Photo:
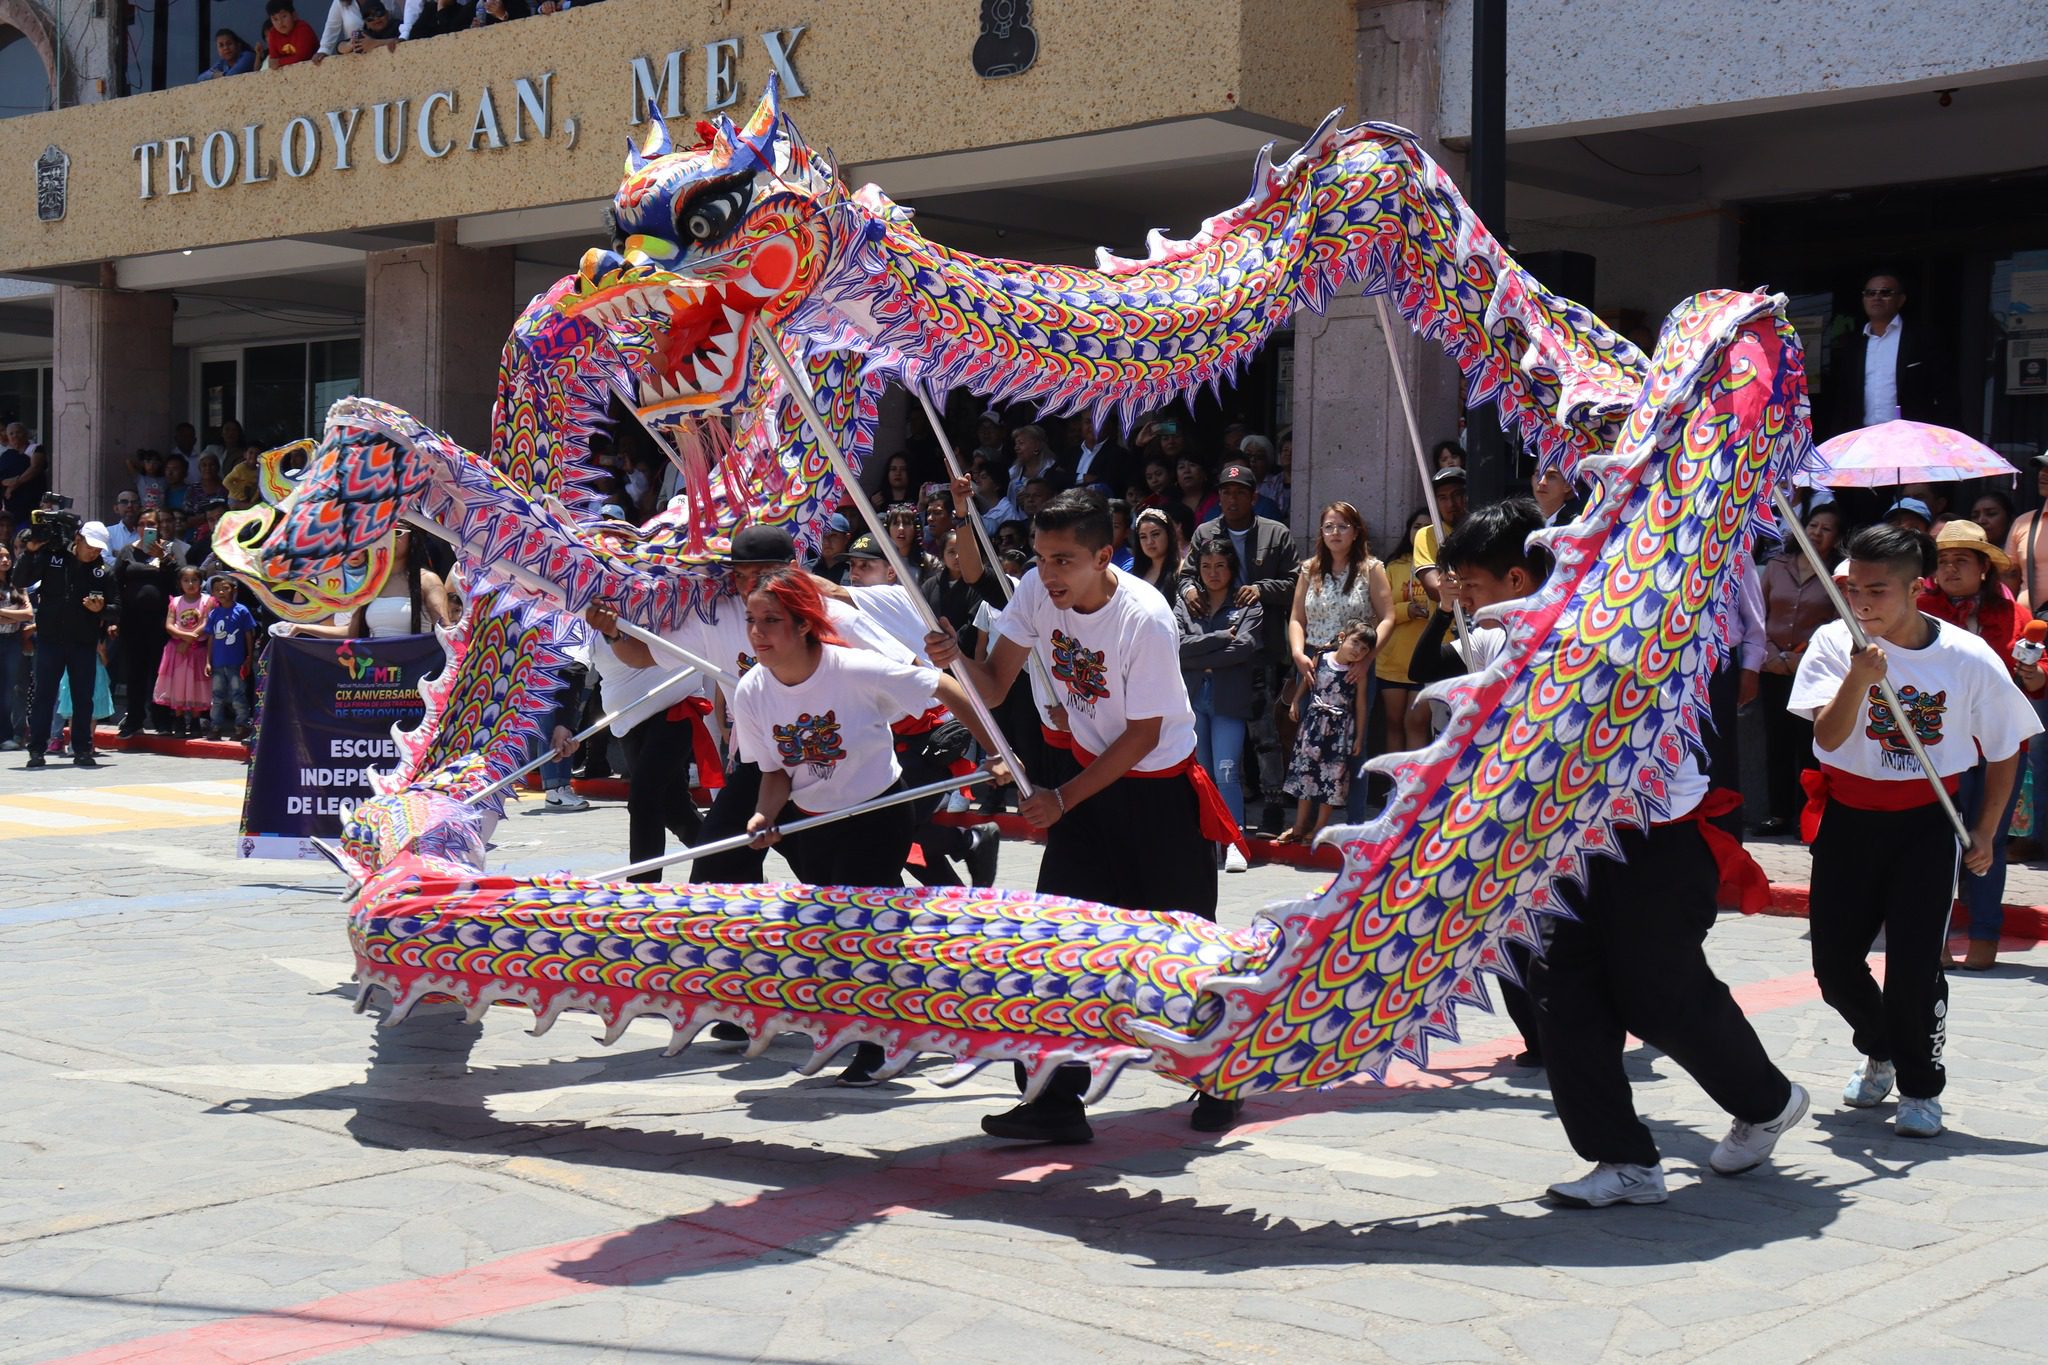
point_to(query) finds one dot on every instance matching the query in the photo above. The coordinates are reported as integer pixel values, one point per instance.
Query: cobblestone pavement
(207, 1156)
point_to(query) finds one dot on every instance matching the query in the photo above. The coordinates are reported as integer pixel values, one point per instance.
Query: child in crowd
(1331, 714)
(232, 631)
(148, 468)
(1885, 856)
(181, 686)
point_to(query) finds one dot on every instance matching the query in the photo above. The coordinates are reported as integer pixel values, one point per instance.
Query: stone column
(111, 391)
(435, 318)
(1350, 441)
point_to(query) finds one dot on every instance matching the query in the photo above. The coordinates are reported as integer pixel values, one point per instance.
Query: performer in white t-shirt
(1885, 855)
(929, 745)
(813, 716)
(721, 637)
(1113, 651)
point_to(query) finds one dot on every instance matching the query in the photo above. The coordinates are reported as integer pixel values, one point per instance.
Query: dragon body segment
(746, 237)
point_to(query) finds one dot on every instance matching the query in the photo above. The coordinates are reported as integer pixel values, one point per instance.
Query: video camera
(55, 521)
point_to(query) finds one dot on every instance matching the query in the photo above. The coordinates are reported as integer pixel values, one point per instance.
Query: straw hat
(1963, 534)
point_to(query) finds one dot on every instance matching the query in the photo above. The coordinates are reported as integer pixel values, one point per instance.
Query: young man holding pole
(1885, 855)
(1111, 647)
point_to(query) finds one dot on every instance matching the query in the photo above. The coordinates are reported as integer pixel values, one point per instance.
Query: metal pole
(1862, 642)
(548, 749)
(731, 842)
(800, 393)
(1436, 516)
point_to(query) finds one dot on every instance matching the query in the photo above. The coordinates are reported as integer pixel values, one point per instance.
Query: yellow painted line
(114, 810)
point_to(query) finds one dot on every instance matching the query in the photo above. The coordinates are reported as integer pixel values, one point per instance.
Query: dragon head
(709, 239)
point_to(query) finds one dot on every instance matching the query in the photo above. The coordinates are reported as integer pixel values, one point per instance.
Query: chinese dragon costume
(746, 238)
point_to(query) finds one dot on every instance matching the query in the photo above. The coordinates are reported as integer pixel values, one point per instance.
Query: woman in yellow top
(1411, 614)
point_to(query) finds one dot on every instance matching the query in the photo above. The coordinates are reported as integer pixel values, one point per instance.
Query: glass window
(336, 370)
(274, 401)
(24, 398)
(24, 85)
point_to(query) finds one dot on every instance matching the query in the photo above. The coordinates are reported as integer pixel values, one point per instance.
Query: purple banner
(326, 710)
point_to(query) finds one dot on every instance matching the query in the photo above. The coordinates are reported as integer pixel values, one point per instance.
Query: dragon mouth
(683, 334)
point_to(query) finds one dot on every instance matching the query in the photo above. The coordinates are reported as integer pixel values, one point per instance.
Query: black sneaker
(984, 843)
(1530, 1060)
(860, 1072)
(722, 1032)
(85, 761)
(1215, 1116)
(1042, 1120)
(36, 760)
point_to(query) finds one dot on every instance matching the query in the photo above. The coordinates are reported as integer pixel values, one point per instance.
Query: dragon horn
(653, 144)
(767, 114)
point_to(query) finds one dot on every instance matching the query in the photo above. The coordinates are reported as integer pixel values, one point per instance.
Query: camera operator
(75, 602)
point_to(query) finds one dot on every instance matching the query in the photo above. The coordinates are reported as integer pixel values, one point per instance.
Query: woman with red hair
(814, 713)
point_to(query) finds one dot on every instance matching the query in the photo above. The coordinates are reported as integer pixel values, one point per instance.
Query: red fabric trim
(1217, 825)
(1058, 739)
(920, 725)
(710, 768)
(1825, 784)
(1743, 883)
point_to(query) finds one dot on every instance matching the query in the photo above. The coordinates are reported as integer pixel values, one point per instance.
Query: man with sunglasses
(1887, 369)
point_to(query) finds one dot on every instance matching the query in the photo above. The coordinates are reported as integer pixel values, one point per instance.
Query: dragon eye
(711, 214)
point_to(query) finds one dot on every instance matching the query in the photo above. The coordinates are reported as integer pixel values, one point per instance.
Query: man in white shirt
(344, 22)
(1113, 651)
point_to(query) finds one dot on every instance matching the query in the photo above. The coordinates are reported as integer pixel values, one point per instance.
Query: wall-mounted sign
(1008, 45)
(440, 122)
(53, 183)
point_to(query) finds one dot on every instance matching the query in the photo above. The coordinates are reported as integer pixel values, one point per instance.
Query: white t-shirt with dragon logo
(830, 732)
(1110, 666)
(1958, 693)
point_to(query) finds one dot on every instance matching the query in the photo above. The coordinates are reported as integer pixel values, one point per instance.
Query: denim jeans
(230, 692)
(1219, 748)
(13, 715)
(557, 772)
(56, 662)
(2037, 760)
(1985, 896)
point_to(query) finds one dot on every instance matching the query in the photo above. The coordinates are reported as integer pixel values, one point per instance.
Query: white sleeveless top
(1327, 608)
(386, 616)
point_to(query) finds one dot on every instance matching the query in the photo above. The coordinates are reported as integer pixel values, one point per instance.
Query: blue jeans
(1219, 748)
(2037, 760)
(13, 717)
(1985, 895)
(230, 693)
(56, 663)
(557, 772)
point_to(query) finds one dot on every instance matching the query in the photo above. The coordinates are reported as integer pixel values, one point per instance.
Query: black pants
(1724, 746)
(1788, 747)
(1634, 962)
(729, 813)
(1136, 844)
(925, 758)
(658, 800)
(54, 661)
(140, 656)
(1516, 1000)
(1895, 871)
(861, 850)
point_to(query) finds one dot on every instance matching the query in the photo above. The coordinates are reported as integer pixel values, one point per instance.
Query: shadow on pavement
(812, 1200)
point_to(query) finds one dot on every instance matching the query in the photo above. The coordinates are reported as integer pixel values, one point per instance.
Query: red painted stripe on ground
(743, 1229)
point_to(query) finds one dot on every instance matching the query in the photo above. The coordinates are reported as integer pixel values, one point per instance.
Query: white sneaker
(1748, 1145)
(1918, 1118)
(566, 798)
(1612, 1182)
(1870, 1084)
(1233, 861)
(8, 746)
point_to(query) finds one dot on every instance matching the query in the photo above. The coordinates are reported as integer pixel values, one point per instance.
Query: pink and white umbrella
(1903, 452)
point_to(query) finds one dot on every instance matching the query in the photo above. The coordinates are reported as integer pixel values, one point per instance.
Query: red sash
(930, 720)
(1743, 883)
(1058, 739)
(710, 770)
(1217, 825)
(1825, 784)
